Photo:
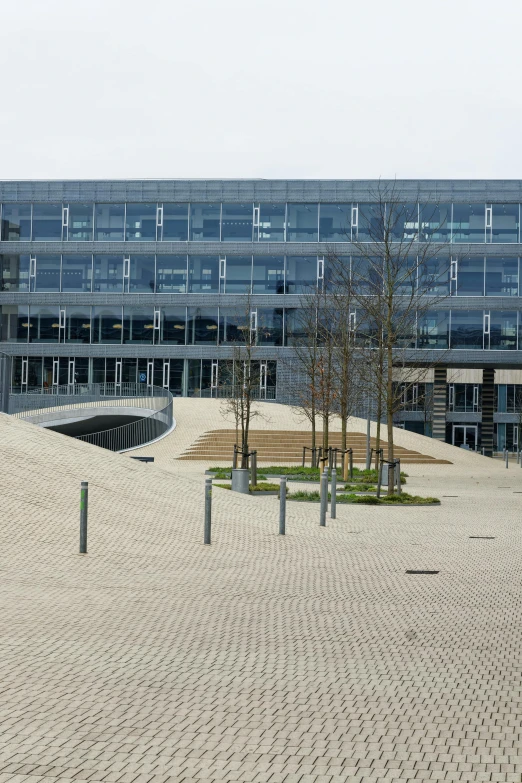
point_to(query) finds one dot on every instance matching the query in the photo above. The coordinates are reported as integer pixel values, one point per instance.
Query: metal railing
(156, 403)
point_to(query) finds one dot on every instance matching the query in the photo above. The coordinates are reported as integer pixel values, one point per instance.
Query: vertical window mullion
(285, 233)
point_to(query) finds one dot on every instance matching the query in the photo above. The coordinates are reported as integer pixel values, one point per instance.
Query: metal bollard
(208, 512)
(398, 476)
(234, 459)
(333, 502)
(507, 458)
(351, 463)
(253, 469)
(324, 498)
(84, 511)
(282, 507)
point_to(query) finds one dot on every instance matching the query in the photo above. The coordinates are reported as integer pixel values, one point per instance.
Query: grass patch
(263, 487)
(369, 500)
(298, 473)
(226, 473)
(360, 487)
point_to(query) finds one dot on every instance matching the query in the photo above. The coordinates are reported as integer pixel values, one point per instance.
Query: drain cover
(413, 571)
(482, 537)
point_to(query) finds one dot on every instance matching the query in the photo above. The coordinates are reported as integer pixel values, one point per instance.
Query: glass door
(465, 435)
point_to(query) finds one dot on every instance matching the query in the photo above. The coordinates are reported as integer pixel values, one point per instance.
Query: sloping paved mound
(155, 659)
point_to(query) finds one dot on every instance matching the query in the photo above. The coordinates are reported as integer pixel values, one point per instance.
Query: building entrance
(465, 434)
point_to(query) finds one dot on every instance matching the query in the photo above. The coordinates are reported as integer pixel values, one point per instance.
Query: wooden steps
(280, 446)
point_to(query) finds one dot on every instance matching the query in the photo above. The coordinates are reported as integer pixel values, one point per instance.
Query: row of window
(183, 377)
(86, 273)
(461, 397)
(259, 222)
(457, 329)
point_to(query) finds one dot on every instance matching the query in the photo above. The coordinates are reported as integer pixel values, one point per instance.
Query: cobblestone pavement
(310, 657)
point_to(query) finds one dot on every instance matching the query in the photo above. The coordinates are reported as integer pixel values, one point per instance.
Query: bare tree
(395, 280)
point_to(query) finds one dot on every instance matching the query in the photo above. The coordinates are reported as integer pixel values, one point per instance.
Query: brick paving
(312, 657)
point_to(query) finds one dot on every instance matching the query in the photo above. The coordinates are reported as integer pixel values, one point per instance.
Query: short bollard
(324, 498)
(507, 458)
(333, 502)
(282, 507)
(84, 510)
(208, 512)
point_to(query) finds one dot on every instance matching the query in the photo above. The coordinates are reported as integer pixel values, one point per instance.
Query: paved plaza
(313, 657)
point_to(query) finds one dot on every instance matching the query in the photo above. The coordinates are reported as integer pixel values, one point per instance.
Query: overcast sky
(261, 88)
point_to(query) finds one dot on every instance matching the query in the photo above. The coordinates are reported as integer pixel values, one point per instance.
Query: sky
(331, 89)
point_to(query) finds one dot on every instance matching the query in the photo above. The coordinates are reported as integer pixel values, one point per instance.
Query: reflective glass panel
(269, 326)
(271, 223)
(16, 222)
(204, 221)
(15, 323)
(503, 331)
(501, 276)
(335, 222)
(301, 274)
(107, 324)
(109, 222)
(204, 274)
(403, 222)
(467, 328)
(269, 275)
(15, 273)
(505, 223)
(435, 222)
(142, 272)
(175, 222)
(470, 276)
(371, 222)
(140, 222)
(194, 377)
(236, 222)
(81, 221)
(176, 374)
(469, 223)
(108, 273)
(173, 325)
(128, 370)
(202, 326)
(44, 324)
(434, 276)
(295, 325)
(47, 222)
(302, 223)
(171, 274)
(138, 324)
(433, 329)
(76, 273)
(78, 324)
(234, 323)
(238, 275)
(367, 275)
(47, 273)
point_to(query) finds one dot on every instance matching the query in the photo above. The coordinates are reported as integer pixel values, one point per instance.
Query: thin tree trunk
(389, 414)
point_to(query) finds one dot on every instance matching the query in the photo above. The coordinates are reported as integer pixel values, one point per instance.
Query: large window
(15, 273)
(238, 274)
(171, 274)
(138, 324)
(236, 222)
(48, 273)
(501, 276)
(204, 221)
(80, 222)
(78, 324)
(269, 326)
(370, 222)
(433, 330)
(467, 329)
(505, 223)
(108, 274)
(269, 275)
(470, 279)
(271, 223)
(403, 222)
(502, 331)
(16, 222)
(301, 274)
(335, 222)
(202, 325)
(173, 325)
(109, 222)
(175, 223)
(15, 323)
(233, 325)
(140, 222)
(77, 273)
(435, 223)
(434, 276)
(296, 326)
(469, 222)
(44, 324)
(107, 324)
(47, 222)
(302, 223)
(141, 277)
(204, 274)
